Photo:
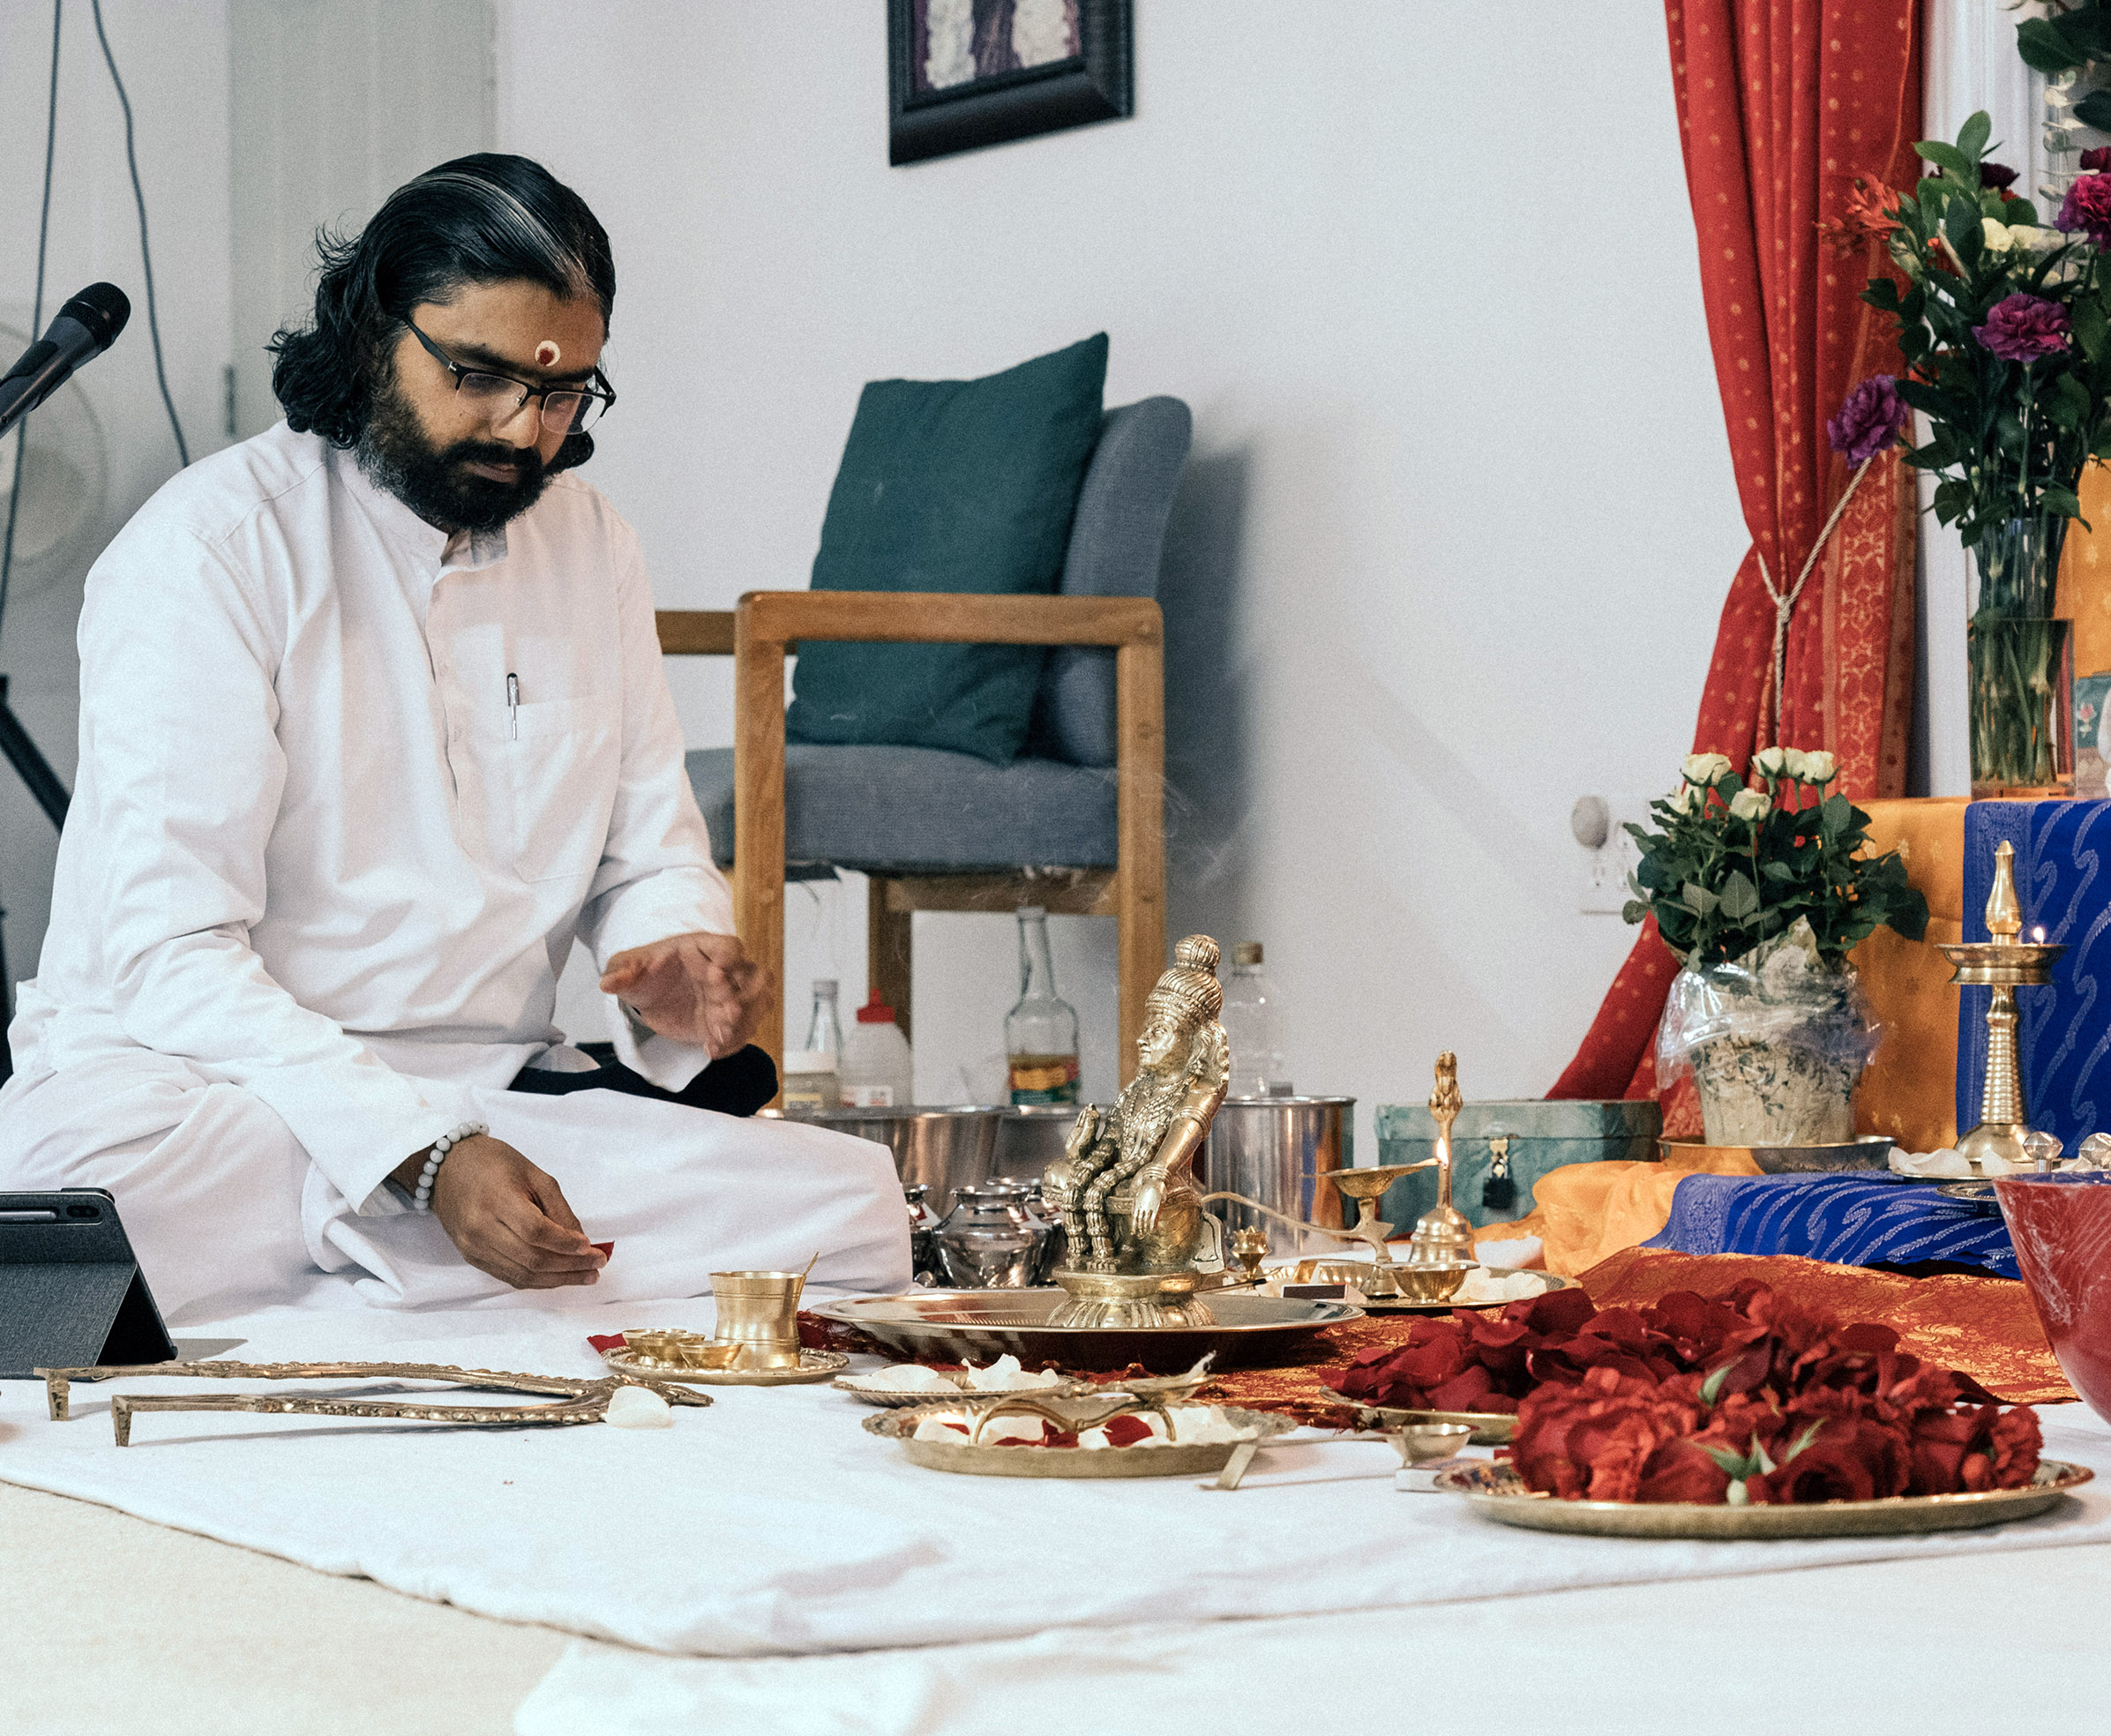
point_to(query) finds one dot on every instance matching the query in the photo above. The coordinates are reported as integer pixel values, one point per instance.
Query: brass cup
(758, 1312)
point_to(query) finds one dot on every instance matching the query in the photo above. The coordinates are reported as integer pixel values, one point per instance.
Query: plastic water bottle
(877, 1070)
(1253, 1021)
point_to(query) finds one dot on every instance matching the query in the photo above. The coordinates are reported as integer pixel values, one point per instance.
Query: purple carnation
(2022, 328)
(1870, 421)
(2086, 209)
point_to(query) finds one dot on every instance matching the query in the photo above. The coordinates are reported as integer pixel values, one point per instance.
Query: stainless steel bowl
(947, 1148)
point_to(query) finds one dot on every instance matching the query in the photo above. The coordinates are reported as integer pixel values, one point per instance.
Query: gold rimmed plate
(1491, 1428)
(814, 1366)
(1174, 1458)
(1496, 1492)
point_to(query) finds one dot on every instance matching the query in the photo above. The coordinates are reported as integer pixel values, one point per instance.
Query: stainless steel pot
(945, 1148)
(1278, 1150)
(989, 1242)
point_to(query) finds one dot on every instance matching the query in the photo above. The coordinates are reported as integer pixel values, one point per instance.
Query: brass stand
(1131, 1299)
(1443, 1236)
(2004, 964)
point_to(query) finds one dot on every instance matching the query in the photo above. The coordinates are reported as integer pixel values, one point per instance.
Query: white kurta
(348, 790)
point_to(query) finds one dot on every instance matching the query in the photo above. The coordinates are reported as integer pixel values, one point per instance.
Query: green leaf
(2062, 502)
(2044, 49)
(1803, 1439)
(1740, 897)
(1948, 157)
(2091, 327)
(1711, 1387)
(1834, 815)
(1634, 911)
(1973, 136)
(1698, 899)
(2094, 110)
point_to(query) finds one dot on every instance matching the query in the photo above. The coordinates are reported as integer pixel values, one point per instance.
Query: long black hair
(485, 219)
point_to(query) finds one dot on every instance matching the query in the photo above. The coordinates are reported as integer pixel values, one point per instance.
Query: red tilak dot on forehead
(548, 355)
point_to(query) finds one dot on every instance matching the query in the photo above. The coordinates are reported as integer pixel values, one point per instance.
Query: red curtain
(1783, 106)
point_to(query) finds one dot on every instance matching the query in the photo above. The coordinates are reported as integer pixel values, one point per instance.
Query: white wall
(173, 57)
(1460, 517)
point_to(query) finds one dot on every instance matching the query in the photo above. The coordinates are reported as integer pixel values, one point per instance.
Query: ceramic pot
(2061, 1228)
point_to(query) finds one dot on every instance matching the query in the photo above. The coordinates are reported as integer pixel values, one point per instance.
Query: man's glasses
(564, 409)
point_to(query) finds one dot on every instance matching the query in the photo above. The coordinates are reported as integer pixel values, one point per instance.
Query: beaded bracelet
(422, 1201)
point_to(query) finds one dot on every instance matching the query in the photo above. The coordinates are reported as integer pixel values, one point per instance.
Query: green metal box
(1537, 1134)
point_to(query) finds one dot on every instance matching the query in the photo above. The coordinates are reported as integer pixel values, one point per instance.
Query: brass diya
(2004, 965)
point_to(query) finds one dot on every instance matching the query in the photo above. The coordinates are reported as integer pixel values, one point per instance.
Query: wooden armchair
(769, 624)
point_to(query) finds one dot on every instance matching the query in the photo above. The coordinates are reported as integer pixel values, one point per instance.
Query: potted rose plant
(1762, 892)
(2005, 327)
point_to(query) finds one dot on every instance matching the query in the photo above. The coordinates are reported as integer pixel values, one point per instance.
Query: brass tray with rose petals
(982, 1325)
(1496, 1492)
(972, 1457)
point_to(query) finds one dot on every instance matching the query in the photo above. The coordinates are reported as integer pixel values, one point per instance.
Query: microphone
(85, 327)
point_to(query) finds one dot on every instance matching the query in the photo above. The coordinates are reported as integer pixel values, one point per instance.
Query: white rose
(1820, 768)
(1998, 236)
(1748, 804)
(1771, 761)
(1680, 801)
(1798, 764)
(1704, 768)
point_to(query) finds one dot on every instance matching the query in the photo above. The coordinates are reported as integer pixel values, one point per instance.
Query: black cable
(14, 497)
(153, 327)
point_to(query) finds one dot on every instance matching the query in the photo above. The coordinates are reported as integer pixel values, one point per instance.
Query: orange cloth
(1986, 1326)
(2084, 595)
(1910, 1090)
(1582, 1212)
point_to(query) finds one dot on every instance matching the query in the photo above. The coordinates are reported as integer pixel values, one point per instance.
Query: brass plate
(1387, 1304)
(1491, 1428)
(1496, 1492)
(1857, 1156)
(1174, 1460)
(982, 1325)
(814, 1367)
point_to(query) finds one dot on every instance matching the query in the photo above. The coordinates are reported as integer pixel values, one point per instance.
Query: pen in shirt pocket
(512, 704)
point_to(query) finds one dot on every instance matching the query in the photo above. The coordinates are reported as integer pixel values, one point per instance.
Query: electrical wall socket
(1603, 888)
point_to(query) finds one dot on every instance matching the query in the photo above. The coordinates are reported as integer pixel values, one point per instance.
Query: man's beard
(436, 483)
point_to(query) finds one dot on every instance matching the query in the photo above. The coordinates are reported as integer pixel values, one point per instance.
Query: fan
(64, 477)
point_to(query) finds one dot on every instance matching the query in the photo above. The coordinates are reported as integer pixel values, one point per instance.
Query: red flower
(1598, 1440)
(2097, 160)
(2087, 208)
(1850, 1458)
(1979, 1448)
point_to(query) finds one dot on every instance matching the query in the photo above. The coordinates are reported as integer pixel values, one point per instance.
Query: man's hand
(506, 1217)
(699, 988)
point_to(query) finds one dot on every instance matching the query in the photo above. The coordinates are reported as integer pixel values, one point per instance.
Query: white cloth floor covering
(770, 1522)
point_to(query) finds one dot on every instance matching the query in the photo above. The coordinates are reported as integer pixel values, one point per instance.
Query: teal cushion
(949, 485)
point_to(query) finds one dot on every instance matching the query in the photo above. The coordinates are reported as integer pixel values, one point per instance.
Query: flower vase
(2022, 664)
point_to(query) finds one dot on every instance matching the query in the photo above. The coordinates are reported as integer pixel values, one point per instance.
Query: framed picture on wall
(965, 73)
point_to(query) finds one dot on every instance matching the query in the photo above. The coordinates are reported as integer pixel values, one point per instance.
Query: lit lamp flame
(2037, 935)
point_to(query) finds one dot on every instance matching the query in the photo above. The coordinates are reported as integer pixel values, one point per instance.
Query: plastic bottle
(812, 1081)
(1253, 1021)
(1040, 1033)
(877, 1070)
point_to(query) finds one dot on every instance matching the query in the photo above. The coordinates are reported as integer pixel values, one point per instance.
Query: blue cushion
(923, 810)
(1116, 540)
(949, 485)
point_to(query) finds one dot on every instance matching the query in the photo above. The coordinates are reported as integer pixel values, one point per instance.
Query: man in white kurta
(351, 784)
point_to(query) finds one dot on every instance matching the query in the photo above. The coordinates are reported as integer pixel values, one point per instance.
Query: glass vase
(2022, 664)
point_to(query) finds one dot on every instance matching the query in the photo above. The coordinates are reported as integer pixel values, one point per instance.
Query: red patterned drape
(1782, 103)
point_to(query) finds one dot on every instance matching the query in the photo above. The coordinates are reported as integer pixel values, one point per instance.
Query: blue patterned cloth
(1845, 1219)
(2063, 1030)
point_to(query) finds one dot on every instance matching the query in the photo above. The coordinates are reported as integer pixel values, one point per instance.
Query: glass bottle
(1040, 1033)
(810, 1076)
(1253, 1022)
